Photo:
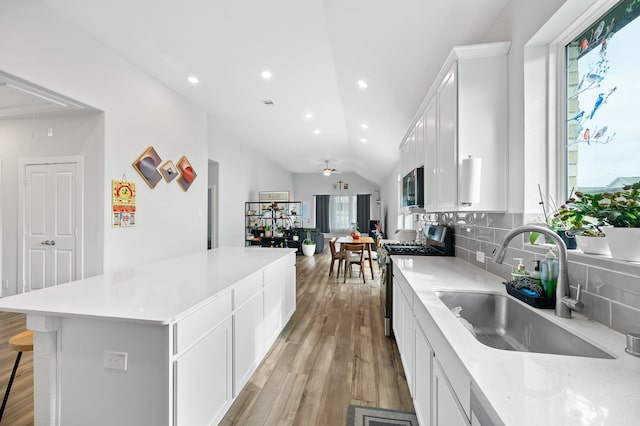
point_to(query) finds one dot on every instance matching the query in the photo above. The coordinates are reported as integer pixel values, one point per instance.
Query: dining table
(367, 241)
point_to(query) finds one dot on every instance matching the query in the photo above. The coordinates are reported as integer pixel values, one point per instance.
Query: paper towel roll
(470, 179)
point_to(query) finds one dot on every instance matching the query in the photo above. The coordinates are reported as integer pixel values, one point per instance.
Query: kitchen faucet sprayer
(564, 302)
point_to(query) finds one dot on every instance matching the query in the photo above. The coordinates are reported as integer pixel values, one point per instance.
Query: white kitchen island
(168, 343)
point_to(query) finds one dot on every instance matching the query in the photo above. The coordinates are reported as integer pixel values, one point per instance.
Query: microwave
(413, 188)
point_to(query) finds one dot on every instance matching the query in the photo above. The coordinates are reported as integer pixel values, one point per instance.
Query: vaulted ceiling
(316, 51)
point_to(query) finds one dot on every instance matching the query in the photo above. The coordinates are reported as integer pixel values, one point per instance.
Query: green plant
(308, 241)
(621, 209)
(267, 227)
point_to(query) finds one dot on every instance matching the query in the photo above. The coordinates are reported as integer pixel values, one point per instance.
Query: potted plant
(355, 234)
(621, 210)
(267, 230)
(308, 245)
(584, 211)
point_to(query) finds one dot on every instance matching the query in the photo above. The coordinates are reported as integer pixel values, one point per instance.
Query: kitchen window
(602, 89)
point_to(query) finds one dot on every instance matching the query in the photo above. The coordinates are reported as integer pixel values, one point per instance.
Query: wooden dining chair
(354, 253)
(336, 254)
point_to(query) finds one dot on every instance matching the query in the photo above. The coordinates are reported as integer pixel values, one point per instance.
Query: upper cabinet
(465, 115)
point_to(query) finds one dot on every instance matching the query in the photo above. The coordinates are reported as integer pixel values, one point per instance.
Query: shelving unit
(275, 220)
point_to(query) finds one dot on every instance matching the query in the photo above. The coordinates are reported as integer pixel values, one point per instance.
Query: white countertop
(532, 388)
(159, 292)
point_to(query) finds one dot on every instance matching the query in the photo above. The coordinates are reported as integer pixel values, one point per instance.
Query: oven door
(386, 295)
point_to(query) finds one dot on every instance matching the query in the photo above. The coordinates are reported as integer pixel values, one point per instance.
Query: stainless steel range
(439, 242)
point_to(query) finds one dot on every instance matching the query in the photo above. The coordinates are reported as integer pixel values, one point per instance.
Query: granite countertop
(159, 292)
(531, 388)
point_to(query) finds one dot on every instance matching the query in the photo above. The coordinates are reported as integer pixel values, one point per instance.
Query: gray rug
(359, 415)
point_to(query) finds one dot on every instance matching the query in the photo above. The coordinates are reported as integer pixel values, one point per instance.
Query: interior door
(49, 225)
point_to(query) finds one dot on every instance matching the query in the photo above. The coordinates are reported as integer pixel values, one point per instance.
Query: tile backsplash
(611, 288)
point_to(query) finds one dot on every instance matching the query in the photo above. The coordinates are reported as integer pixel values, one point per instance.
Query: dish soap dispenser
(520, 270)
(549, 273)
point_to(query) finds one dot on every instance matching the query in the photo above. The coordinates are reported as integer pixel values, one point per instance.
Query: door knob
(48, 243)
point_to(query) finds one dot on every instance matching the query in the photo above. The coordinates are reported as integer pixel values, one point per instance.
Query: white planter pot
(308, 249)
(593, 245)
(624, 243)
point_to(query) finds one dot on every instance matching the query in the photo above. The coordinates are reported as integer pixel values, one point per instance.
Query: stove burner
(412, 250)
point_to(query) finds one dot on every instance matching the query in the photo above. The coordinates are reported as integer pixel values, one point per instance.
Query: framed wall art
(187, 174)
(169, 171)
(147, 166)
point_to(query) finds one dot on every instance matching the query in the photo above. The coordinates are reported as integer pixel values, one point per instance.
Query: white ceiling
(317, 50)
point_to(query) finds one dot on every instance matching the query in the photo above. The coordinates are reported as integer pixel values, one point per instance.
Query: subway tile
(484, 234)
(472, 245)
(621, 288)
(464, 230)
(625, 319)
(518, 219)
(503, 271)
(463, 254)
(501, 220)
(595, 307)
(488, 249)
(577, 274)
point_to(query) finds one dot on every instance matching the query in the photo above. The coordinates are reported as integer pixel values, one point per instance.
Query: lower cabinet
(423, 361)
(248, 341)
(203, 379)
(446, 408)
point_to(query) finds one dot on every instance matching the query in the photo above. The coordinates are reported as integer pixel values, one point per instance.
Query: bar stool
(20, 342)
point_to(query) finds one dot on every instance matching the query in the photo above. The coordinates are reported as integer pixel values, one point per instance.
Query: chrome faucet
(564, 303)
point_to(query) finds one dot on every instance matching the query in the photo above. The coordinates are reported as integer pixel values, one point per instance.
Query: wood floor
(19, 410)
(332, 353)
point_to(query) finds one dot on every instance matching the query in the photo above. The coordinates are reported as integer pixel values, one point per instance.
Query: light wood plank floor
(19, 410)
(332, 353)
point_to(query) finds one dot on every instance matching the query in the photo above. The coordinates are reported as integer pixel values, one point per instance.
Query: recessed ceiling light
(266, 74)
(308, 115)
(193, 79)
(362, 84)
(364, 126)
(363, 140)
(316, 131)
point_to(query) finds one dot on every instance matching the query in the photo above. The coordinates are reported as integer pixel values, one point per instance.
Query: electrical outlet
(115, 360)
(480, 256)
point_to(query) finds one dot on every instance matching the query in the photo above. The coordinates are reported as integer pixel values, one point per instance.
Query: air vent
(268, 102)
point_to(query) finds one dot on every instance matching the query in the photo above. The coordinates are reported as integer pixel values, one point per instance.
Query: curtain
(363, 212)
(322, 213)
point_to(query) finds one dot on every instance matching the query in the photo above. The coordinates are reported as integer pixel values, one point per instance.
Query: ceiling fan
(328, 171)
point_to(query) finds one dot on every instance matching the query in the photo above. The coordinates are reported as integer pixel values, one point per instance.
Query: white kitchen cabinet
(423, 369)
(248, 340)
(403, 325)
(465, 114)
(430, 155)
(446, 408)
(419, 141)
(289, 288)
(203, 390)
(446, 153)
(272, 310)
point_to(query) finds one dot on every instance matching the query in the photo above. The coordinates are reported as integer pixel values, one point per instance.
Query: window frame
(557, 86)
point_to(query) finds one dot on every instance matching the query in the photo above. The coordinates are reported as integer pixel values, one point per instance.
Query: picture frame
(187, 173)
(169, 171)
(147, 166)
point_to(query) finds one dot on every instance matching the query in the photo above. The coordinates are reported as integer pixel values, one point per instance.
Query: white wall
(73, 134)
(390, 196)
(243, 173)
(38, 46)
(309, 184)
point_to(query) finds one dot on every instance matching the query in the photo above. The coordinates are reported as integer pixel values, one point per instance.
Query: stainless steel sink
(502, 322)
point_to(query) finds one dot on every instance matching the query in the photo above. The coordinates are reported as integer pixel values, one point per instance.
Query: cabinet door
(203, 379)
(406, 350)
(272, 310)
(396, 313)
(447, 184)
(423, 360)
(248, 341)
(289, 290)
(447, 410)
(430, 156)
(419, 151)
